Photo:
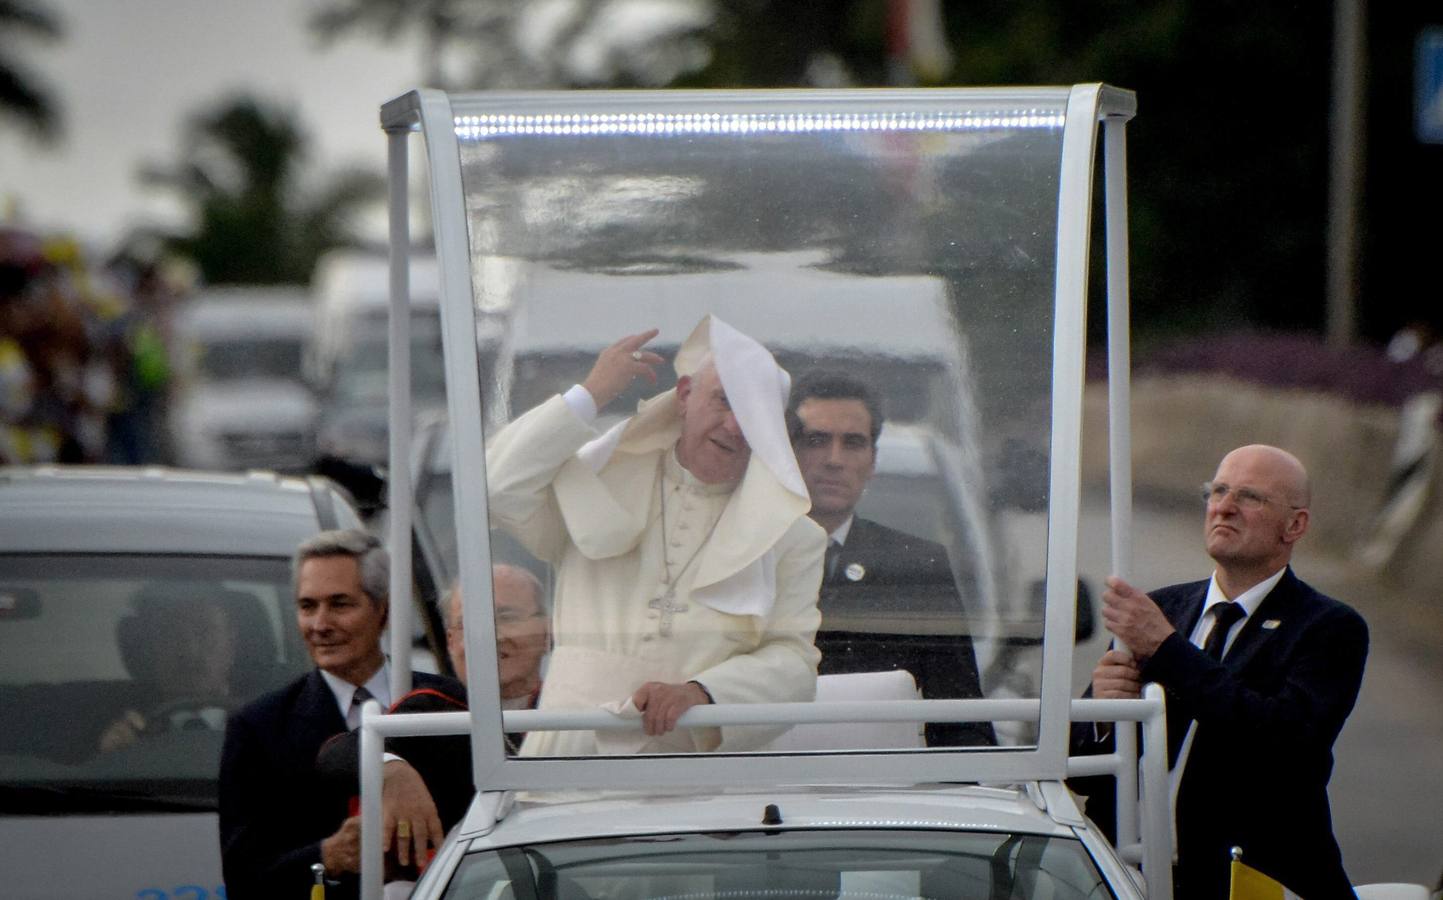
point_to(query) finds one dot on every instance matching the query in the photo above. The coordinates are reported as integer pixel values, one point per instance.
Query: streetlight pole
(1348, 146)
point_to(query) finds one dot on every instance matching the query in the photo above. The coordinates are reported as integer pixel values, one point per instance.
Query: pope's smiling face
(712, 446)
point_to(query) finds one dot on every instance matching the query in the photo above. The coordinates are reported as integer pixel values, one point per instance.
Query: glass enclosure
(908, 259)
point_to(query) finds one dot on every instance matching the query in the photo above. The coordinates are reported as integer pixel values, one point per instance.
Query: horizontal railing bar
(711, 715)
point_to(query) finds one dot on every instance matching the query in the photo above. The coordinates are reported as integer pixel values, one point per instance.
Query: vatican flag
(1248, 883)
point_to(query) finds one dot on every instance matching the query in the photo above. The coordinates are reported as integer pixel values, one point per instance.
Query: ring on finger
(403, 829)
(636, 355)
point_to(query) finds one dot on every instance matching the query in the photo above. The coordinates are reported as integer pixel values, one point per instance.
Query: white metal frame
(1151, 818)
(437, 116)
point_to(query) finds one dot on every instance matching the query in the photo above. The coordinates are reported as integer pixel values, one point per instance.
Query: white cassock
(744, 563)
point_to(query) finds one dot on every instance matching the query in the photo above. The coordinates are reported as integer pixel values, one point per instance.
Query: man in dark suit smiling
(1260, 672)
(888, 599)
(277, 817)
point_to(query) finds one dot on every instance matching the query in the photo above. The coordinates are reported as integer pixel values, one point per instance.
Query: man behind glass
(872, 572)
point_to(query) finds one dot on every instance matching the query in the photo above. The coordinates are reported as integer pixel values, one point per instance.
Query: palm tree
(22, 96)
(469, 44)
(253, 222)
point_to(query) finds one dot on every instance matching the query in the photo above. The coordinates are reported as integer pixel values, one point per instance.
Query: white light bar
(483, 127)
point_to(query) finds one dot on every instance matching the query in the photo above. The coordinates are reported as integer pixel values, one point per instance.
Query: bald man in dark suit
(1260, 671)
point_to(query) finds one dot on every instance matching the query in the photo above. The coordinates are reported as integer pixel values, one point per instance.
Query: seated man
(179, 646)
(872, 571)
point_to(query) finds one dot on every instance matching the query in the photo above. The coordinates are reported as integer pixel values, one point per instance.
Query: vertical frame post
(372, 861)
(1157, 807)
(1119, 417)
(399, 500)
(1069, 371)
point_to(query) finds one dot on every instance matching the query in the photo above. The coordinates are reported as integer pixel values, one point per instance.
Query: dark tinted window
(117, 672)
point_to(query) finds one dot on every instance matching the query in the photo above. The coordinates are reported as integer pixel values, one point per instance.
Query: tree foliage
(1228, 155)
(24, 97)
(253, 220)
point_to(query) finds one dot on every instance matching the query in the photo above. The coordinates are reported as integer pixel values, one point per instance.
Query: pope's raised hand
(618, 365)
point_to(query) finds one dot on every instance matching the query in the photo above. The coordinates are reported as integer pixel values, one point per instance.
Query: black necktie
(1224, 615)
(353, 718)
(829, 562)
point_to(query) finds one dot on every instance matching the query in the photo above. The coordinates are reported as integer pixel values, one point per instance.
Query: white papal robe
(602, 531)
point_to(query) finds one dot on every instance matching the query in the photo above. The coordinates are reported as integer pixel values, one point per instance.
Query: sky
(128, 72)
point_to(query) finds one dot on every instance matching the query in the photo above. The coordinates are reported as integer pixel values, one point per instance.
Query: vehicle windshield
(237, 359)
(903, 263)
(839, 864)
(117, 673)
(361, 374)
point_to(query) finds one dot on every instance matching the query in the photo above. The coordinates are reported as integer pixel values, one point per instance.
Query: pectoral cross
(667, 605)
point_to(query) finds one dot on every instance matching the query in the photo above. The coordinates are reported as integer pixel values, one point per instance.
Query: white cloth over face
(745, 608)
(770, 496)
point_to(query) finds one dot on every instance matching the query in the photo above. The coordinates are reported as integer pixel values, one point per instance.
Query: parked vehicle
(137, 608)
(348, 362)
(927, 841)
(244, 402)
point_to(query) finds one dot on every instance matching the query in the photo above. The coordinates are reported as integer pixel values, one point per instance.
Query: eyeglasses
(1247, 498)
(512, 617)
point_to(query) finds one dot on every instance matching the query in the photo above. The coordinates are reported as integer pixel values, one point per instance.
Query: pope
(687, 570)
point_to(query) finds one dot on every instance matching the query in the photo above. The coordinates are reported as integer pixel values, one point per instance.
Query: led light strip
(477, 128)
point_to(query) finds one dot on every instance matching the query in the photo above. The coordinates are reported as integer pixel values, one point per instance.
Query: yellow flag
(1250, 884)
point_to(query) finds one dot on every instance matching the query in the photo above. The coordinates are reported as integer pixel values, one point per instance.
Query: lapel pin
(855, 572)
(1270, 624)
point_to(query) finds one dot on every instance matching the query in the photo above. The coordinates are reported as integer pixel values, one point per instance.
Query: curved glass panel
(905, 243)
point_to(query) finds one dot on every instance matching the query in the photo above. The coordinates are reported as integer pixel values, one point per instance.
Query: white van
(348, 363)
(820, 318)
(242, 402)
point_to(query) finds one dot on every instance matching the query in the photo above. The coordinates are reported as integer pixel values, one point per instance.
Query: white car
(149, 601)
(243, 401)
(879, 842)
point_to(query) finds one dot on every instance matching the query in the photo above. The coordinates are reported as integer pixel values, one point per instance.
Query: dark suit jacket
(881, 608)
(1257, 774)
(274, 808)
(444, 762)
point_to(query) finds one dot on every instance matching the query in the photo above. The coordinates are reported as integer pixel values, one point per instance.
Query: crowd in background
(85, 370)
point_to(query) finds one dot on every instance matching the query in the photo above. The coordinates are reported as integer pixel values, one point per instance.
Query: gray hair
(365, 548)
(527, 577)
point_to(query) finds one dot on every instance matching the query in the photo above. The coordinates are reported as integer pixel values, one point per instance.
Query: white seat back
(897, 684)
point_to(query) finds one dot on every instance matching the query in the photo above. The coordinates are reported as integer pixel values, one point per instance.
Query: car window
(120, 670)
(257, 357)
(361, 375)
(833, 864)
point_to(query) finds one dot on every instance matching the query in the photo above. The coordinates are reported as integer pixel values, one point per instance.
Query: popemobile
(687, 256)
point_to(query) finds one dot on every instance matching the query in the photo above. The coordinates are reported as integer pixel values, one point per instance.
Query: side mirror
(1086, 621)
